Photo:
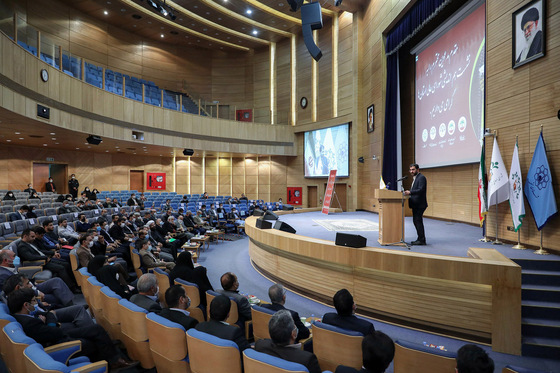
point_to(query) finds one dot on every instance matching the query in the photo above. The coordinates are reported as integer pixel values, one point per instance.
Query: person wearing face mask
(67, 232)
(43, 328)
(87, 193)
(73, 185)
(149, 260)
(84, 250)
(30, 189)
(83, 225)
(9, 196)
(49, 186)
(148, 292)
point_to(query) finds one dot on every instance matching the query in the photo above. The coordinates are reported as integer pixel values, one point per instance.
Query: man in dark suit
(73, 185)
(230, 288)
(30, 189)
(49, 186)
(96, 343)
(344, 317)
(132, 201)
(277, 296)
(418, 202)
(178, 302)
(148, 291)
(219, 312)
(283, 334)
(27, 251)
(19, 214)
(378, 350)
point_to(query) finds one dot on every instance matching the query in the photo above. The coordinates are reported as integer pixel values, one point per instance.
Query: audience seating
(257, 362)
(163, 283)
(413, 357)
(137, 263)
(514, 369)
(75, 264)
(37, 360)
(168, 344)
(233, 313)
(193, 293)
(135, 333)
(94, 296)
(210, 354)
(335, 346)
(110, 305)
(260, 317)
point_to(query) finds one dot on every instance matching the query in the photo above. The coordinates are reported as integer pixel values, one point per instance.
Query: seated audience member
(66, 208)
(148, 259)
(243, 197)
(112, 275)
(94, 193)
(177, 304)
(185, 270)
(204, 195)
(345, 318)
(213, 215)
(49, 186)
(30, 214)
(199, 222)
(116, 203)
(83, 224)
(20, 214)
(167, 206)
(230, 287)
(9, 196)
(190, 222)
(83, 197)
(277, 296)
(282, 342)
(96, 343)
(378, 350)
(30, 189)
(204, 213)
(67, 232)
(235, 217)
(69, 316)
(148, 291)
(50, 233)
(159, 235)
(154, 246)
(217, 326)
(84, 250)
(221, 210)
(43, 243)
(180, 222)
(473, 359)
(132, 201)
(35, 196)
(185, 199)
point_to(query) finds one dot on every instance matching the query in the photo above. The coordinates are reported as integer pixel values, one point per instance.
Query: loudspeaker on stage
(284, 227)
(350, 240)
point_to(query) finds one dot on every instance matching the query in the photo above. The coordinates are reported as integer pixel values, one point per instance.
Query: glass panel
(6, 20)
(152, 94)
(49, 51)
(71, 64)
(93, 74)
(27, 36)
(171, 100)
(113, 82)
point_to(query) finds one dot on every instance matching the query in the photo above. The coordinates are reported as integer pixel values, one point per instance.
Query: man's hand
(56, 255)
(407, 192)
(112, 259)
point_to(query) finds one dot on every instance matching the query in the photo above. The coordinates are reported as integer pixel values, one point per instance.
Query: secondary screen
(326, 149)
(449, 99)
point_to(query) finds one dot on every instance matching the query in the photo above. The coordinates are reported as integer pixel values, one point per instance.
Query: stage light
(153, 4)
(249, 11)
(163, 11)
(361, 159)
(295, 4)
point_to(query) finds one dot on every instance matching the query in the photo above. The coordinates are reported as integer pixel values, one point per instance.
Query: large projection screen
(449, 92)
(326, 149)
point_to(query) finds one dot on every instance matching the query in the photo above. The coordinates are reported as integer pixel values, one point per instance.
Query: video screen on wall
(449, 93)
(326, 149)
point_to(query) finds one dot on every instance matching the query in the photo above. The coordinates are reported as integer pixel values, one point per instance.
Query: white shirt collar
(180, 310)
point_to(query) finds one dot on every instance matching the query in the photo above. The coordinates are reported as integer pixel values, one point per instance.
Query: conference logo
(425, 135)
(451, 127)
(442, 129)
(433, 132)
(540, 180)
(462, 124)
(516, 185)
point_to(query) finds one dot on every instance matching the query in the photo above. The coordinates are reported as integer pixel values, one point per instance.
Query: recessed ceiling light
(255, 32)
(17, 133)
(106, 151)
(133, 25)
(54, 138)
(77, 148)
(57, 143)
(208, 13)
(204, 29)
(21, 138)
(219, 18)
(52, 133)
(162, 35)
(44, 144)
(196, 6)
(108, 2)
(249, 11)
(123, 10)
(280, 4)
(242, 28)
(8, 140)
(105, 12)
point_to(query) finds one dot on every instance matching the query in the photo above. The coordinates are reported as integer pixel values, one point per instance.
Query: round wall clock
(44, 75)
(303, 102)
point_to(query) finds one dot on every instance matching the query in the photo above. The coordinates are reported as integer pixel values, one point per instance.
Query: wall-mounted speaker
(284, 227)
(94, 140)
(269, 215)
(188, 152)
(263, 224)
(350, 240)
(43, 111)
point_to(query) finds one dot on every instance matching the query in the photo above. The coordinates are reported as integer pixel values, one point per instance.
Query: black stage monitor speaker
(188, 152)
(258, 212)
(269, 215)
(284, 227)
(287, 207)
(43, 111)
(263, 224)
(94, 140)
(351, 240)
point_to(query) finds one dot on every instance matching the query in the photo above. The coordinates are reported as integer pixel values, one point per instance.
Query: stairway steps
(540, 278)
(536, 264)
(540, 330)
(550, 294)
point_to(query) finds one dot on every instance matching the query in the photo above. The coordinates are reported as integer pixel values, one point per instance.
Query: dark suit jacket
(41, 332)
(224, 331)
(26, 252)
(132, 202)
(303, 332)
(146, 303)
(5, 273)
(349, 323)
(295, 355)
(16, 216)
(50, 187)
(185, 321)
(418, 193)
(345, 369)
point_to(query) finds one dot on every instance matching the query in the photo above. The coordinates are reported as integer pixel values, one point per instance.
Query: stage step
(540, 307)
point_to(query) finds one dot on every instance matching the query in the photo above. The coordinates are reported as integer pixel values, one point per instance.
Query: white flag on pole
(498, 186)
(516, 202)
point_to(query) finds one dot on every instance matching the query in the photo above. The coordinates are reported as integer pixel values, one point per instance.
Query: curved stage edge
(478, 297)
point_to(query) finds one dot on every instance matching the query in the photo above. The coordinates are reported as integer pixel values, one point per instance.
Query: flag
(482, 204)
(516, 203)
(538, 187)
(382, 183)
(498, 186)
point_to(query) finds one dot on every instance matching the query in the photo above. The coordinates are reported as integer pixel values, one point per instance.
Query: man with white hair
(533, 35)
(148, 292)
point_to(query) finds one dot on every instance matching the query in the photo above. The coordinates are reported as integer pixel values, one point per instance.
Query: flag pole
(484, 237)
(541, 251)
(519, 245)
(496, 241)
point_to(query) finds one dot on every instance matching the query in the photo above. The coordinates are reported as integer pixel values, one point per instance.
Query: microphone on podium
(402, 178)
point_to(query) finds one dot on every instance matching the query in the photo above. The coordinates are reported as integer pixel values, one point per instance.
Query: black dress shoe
(418, 243)
(122, 364)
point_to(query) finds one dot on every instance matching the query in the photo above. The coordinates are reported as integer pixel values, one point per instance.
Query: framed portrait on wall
(528, 33)
(370, 119)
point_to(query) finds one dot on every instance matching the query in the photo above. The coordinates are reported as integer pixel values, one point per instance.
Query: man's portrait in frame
(528, 25)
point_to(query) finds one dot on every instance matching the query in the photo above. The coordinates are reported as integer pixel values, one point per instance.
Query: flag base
(541, 252)
(484, 239)
(519, 246)
(497, 242)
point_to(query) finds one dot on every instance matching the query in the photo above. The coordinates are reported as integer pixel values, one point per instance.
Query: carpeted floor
(443, 238)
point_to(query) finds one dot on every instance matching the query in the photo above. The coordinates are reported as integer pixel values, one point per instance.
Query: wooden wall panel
(251, 177)
(283, 81)
(264, 165)
(225, 179)
(261, 88)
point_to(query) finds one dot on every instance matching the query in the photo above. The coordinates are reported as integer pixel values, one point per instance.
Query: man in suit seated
(42, 327)
(471, 358)
(27, 251)
(282, 342)
(30, 189)
(277, 296)
(49, 186)
(148, 291)
(216, 326)
(132, 201)
(19, 214)
(378, 350)
(230, 287)
(178, 302)
(345, 318)
(148, 259)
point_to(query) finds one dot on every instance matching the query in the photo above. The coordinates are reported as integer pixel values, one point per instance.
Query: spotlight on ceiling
(295, 4)
(153, 4)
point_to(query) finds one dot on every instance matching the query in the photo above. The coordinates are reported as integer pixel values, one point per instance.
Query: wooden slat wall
(324, 78)
(211, 176)
(225, 178)
(261, 85)
(283, 82)
(264, 178)
(238, 176)
(251, 177)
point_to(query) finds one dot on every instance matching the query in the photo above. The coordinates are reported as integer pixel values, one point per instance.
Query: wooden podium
(390, 216)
